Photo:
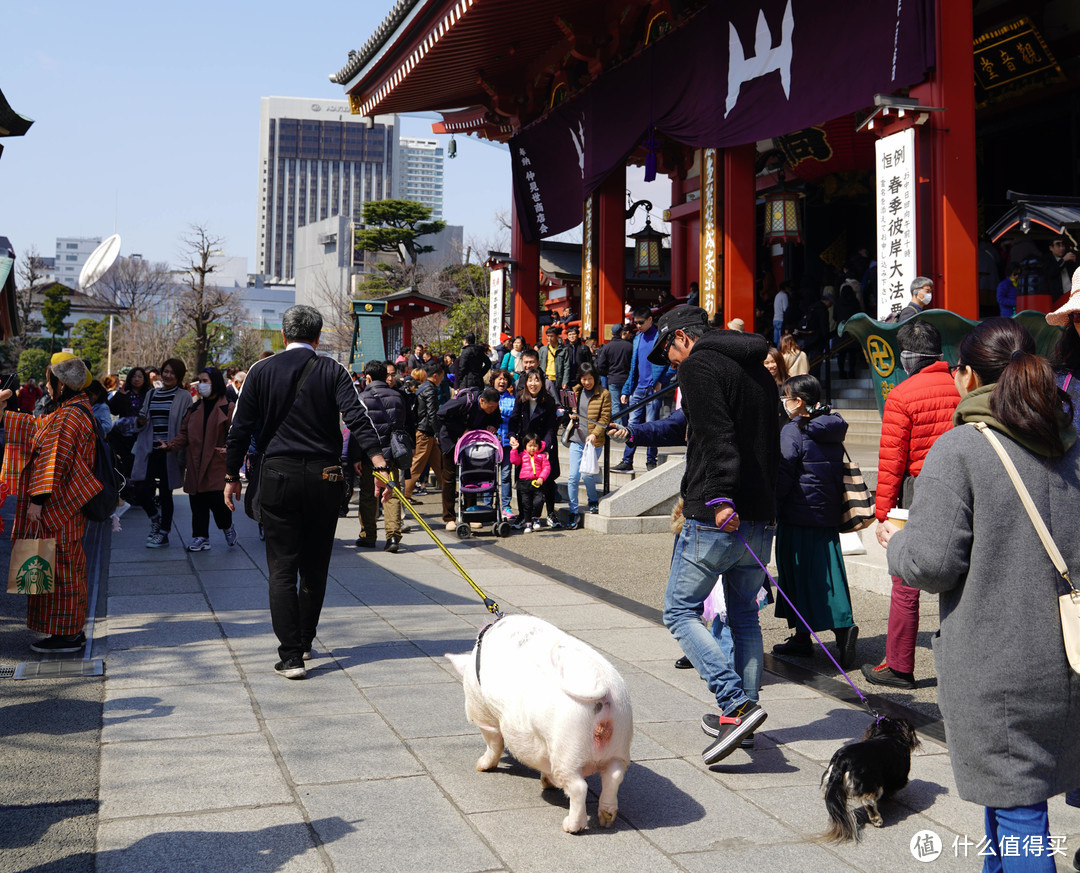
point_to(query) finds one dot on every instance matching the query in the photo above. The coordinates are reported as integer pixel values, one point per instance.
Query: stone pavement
(210, 761)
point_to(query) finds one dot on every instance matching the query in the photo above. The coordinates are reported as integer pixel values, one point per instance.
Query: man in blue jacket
(646, 378)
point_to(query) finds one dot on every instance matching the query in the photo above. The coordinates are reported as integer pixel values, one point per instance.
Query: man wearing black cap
(732, 455)
(613, 365)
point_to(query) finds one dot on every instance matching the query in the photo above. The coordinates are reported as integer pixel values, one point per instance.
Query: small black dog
(875, 767)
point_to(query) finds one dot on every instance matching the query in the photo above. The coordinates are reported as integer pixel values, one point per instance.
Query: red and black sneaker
(883, 674)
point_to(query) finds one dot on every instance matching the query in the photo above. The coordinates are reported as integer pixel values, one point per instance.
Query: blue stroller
(477, 456)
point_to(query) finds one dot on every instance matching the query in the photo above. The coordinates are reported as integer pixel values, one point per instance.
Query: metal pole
(108, 366)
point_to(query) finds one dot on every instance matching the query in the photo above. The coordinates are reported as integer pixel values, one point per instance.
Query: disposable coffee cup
(898, 517)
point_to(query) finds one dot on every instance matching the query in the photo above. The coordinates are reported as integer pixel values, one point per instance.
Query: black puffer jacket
(809, 487)
(471, 367)
(732, 442)
(387, 409)
(427, 404)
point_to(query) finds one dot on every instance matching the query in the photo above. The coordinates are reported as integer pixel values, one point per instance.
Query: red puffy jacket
(917, 412)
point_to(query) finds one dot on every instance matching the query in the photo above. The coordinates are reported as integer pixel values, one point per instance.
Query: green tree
(32, 364)
(468, 315)
(394, 226)
(54, 310)
(90, 341)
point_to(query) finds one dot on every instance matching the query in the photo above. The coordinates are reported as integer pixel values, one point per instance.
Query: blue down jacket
(809, 484)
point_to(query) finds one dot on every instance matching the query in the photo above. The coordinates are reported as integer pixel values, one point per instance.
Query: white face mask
(204, 389)
(159, 384)
(794, 411)
(926, 298)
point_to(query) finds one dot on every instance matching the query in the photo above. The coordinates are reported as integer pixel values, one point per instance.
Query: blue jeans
(576, 451)
(702, 552)
(506, 480)
(777, 326)
(649, 412)
(1018, 823)
(616, 405)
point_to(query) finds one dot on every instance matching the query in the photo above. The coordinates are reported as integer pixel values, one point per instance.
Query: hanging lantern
(783, 217)
(647, 245)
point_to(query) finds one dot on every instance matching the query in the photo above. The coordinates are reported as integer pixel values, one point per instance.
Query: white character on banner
(764, 60)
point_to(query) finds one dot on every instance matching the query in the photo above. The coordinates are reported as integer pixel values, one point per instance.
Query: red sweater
(917, 412)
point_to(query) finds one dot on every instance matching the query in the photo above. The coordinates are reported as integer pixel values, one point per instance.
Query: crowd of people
(764, 459)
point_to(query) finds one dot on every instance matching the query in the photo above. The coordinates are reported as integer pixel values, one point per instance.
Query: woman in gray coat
(1010, 701)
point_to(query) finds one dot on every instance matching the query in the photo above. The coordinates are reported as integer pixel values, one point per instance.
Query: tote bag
(857, 508)
(32, 568)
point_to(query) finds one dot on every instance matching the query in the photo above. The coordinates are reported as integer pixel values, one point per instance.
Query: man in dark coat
(613, 365)
(732, 456)
(472, 364)
(571, 355)
(388, 411)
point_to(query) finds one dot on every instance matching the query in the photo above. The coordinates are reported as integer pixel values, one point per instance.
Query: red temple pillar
(951, 141)
(611, 250)
(739, 248)
(525, 281)
(679, 286)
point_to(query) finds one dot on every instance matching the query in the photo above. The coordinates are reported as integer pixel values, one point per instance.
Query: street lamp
(647, 242)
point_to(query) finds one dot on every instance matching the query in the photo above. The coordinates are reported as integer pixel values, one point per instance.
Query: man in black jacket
(293, 401)
(427, 425)
(732, 455)
(472, 364)
(388, 411)
(571, 355)
(613, 363)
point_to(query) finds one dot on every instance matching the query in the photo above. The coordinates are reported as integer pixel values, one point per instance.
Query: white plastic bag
(589, 466)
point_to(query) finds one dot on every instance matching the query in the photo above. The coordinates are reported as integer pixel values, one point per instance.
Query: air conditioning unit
(327, 239)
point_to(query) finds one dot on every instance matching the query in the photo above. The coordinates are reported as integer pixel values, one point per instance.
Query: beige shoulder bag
(1068, 604)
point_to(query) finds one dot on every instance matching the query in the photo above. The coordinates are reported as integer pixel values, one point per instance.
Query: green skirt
(810, 570)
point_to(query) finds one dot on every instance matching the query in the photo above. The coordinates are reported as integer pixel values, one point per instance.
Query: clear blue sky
(147, 115)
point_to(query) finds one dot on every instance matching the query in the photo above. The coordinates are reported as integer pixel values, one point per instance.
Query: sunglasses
(955, 368)
(640, 320)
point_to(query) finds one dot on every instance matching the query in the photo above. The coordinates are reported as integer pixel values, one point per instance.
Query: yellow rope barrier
(491, 605)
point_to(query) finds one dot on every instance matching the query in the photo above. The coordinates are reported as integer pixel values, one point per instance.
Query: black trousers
(299, 515)
(157, 479)
(530, 500)
(204, 503)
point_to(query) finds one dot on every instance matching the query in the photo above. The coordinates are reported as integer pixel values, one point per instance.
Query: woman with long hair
(592, 402)
(535, 413)
(126, 404)
(511, 361)
(794, 356)
(202, 440)
(809, 501)
(1010, 700)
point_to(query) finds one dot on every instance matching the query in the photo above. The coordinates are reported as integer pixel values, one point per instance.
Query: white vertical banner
(895, 221)
(496, 297)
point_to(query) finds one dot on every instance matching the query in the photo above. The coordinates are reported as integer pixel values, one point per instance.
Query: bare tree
(146, 342)
(135, 286)
(31, 271)
(335, 304)
(201, 303)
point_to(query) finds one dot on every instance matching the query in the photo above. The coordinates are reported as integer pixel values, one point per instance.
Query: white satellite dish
(97, 265)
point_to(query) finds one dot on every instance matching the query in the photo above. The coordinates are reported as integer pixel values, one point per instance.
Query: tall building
(71, 254)
(420, 173)
(316, 161)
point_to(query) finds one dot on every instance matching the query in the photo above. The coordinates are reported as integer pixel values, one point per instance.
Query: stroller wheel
(502, 529)
(464, 531)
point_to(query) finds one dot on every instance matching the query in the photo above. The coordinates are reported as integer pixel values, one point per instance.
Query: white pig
(556, 704)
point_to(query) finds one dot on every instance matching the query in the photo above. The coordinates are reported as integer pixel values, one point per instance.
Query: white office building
(71, 254)
(419, 173)
(316, 161)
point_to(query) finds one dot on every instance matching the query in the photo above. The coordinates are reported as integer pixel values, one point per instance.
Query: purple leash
(720, 501)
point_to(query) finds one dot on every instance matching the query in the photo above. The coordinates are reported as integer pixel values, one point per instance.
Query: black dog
(866, 771)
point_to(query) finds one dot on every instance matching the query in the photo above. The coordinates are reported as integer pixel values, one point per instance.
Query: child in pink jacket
(535, 469)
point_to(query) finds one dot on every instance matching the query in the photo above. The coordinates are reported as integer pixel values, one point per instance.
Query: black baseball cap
(679, 318)
(616, 330)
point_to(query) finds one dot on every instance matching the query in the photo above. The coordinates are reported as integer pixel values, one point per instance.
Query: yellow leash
(491, 605)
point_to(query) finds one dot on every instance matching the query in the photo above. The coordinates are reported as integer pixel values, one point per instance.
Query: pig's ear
(578, 676)
(460, 662)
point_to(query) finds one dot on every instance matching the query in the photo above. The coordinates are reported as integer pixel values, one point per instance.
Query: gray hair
(920, 282)
(301, 324)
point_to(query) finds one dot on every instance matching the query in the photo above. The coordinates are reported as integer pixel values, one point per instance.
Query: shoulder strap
(1068, 379)
(1025, 498)
(264, 441)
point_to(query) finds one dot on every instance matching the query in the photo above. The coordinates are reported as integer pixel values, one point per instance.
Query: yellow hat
(70, 370)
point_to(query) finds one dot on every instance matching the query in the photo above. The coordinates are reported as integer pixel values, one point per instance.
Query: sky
(146, 119)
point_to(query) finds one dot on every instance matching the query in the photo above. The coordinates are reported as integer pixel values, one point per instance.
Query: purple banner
(734, 73)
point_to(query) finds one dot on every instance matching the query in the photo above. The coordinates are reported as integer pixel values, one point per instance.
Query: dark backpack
(102, 505)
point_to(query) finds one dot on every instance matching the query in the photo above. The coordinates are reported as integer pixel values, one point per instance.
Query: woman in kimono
(48, 465)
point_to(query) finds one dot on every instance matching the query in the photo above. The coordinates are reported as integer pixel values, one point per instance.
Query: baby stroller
(477, 455)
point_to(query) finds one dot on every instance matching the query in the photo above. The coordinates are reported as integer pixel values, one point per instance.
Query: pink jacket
(532, 466)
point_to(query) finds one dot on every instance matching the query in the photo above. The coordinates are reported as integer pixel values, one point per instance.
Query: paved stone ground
(209, 761)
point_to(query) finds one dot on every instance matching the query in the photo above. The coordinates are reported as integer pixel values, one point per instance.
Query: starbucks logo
(35, 576)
